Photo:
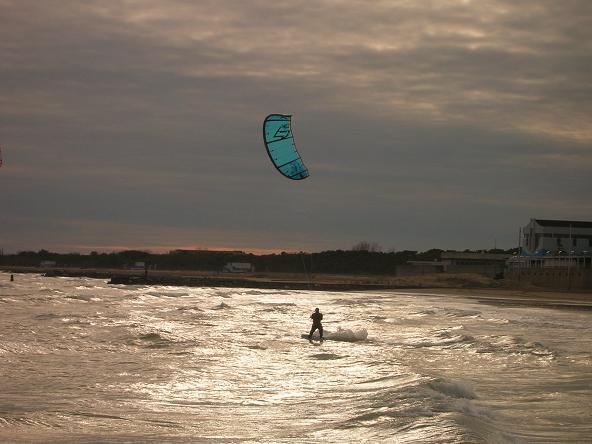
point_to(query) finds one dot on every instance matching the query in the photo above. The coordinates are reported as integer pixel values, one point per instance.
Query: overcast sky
(424, 124)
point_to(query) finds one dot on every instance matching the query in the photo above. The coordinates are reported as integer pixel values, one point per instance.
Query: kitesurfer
(316, 317)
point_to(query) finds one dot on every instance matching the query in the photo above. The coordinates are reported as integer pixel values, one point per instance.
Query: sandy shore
(516, 296)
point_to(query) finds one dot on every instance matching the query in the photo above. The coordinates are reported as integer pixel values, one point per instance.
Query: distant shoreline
(514, 297)
(470, 286)
(192, 278)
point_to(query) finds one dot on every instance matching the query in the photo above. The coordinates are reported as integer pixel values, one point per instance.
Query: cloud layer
(424, 124)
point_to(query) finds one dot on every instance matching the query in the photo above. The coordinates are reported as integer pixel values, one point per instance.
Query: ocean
(82, 361)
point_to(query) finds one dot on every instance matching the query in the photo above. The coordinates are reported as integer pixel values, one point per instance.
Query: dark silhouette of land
(346, 262)
(340, 270)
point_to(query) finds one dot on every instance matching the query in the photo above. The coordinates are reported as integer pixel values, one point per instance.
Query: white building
(238, 267)
(47, 264)
(488, 264)
(558, 237)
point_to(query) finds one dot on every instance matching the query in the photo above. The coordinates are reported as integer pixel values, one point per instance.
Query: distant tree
(44, 254)
(371, 247)
(430, 255)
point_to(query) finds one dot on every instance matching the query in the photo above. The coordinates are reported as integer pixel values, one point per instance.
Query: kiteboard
(314, 338)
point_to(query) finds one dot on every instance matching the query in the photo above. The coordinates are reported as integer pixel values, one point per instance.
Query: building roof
(563, 223)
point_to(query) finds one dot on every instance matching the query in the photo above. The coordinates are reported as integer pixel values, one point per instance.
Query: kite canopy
(279, 142)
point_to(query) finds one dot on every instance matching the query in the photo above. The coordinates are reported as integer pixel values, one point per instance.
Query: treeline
(336, 261)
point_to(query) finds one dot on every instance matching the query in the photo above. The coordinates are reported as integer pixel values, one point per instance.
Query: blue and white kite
(279, 141)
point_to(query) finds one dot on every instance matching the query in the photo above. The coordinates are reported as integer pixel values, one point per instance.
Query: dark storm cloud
(424, 124)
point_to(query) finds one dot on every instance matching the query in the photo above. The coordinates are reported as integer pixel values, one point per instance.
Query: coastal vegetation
(354, 261)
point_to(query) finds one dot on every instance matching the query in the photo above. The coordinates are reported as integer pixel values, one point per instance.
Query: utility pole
(519, 252)
(569, 261)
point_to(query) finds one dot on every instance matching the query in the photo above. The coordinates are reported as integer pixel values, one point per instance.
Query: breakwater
(229, 282)
(174, 278)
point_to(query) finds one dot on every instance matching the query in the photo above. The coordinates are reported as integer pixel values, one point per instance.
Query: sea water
(84, 361)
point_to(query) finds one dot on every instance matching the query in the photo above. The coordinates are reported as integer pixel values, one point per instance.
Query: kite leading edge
(279, 142)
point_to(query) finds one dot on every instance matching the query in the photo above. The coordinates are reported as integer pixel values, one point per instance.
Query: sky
(136, 124)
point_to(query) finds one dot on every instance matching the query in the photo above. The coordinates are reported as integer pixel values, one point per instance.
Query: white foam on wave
(347, 335)
(6, 300)
(87, 287)
(458, 339)
(511, 345)
(461, 313)
(441, 338)
(459, 396)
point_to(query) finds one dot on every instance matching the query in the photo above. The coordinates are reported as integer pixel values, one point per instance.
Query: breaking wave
(453, 389)
(343, 335)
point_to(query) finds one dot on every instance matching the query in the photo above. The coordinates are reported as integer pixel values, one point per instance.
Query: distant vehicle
(47, 264)
(238, 267)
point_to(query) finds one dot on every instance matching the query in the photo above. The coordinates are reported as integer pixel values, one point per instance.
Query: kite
(0, 155)
(279, 141)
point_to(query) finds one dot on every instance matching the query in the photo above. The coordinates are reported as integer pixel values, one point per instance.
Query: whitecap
(345, 335)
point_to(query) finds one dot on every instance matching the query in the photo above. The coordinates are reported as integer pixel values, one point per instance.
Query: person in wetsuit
(316, 317)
